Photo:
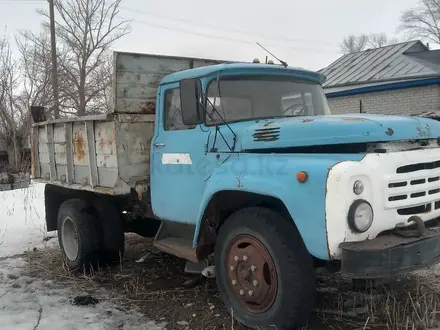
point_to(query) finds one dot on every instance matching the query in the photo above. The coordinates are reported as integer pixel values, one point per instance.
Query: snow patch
(28, 303)
(22, 222)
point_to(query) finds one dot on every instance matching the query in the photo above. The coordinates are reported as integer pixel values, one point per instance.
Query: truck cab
(248, 165)
(254, 137)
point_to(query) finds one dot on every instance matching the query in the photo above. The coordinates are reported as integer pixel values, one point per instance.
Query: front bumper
(390, 255)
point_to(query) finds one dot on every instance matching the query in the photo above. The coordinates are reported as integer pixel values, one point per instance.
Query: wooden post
(54, 59)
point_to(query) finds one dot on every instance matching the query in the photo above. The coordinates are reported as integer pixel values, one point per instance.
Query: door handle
(159, 144)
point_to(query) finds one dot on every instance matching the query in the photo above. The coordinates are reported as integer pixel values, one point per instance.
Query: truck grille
(415, 188)
(418, 167)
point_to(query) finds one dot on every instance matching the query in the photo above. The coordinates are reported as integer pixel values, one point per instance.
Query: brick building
(402, 79)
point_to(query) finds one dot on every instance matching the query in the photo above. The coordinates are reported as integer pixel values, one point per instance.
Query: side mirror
(190, 90)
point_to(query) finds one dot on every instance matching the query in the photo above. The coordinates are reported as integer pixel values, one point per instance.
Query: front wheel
(265, 273)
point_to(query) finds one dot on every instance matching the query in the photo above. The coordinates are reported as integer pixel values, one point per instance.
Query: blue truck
(244, 164)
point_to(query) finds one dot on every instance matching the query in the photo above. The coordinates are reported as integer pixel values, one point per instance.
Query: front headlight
(360, 216)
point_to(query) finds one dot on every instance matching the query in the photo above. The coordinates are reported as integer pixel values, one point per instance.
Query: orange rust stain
(268, 123)
(353, 119)
(104, 163)
(79, 150)
(101, 144)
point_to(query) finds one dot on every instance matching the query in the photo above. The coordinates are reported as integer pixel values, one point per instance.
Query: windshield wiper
(217, 128)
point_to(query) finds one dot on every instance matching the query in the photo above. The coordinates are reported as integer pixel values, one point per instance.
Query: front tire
(78, 234)
(265, 275)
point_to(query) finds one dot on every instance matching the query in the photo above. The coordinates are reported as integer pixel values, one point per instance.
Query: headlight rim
(351, 213)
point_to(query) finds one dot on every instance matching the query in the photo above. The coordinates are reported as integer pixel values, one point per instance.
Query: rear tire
(265, 274)
(78, 234)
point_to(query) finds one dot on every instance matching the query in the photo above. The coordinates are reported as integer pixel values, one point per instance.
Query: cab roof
(245, 68)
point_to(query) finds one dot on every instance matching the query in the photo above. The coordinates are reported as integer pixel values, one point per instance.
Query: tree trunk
(82, 92)
(14, 154)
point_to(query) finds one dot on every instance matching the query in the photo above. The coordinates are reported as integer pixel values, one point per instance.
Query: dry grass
(155, 288)
(409, 302)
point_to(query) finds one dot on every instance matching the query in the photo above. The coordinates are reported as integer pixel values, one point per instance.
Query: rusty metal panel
(60, 154)
(108, 154)
(59, 137)
(44, 159)
(106, 159)
(43, 153)
(81, 175)
(134, 140)
(61, 172)
(197, 63)
(105, 137)
(137, 76)
(91, 152)
(45, 172)
(79, 138)
(51, 147)
(69, 154)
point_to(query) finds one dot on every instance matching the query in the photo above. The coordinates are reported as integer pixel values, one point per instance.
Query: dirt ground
(159, 288)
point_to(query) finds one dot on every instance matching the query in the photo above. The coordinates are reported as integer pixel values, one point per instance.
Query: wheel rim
(69, 237)
(251, 274)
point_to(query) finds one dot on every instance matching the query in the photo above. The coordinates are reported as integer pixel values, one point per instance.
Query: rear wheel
(265, 273)
(78, 234)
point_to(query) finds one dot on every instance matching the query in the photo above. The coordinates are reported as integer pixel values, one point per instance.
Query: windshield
(239, 98)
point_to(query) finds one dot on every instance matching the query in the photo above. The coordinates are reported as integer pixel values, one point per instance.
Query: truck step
(178, 247)
(195, 268)
(176, 239)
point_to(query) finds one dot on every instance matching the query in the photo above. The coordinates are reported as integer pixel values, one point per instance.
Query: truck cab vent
(266, 134)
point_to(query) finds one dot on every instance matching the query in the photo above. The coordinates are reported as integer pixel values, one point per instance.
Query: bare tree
(14, 119)
(353, 43)
(35, 69)
(422, 21)
(86, 29)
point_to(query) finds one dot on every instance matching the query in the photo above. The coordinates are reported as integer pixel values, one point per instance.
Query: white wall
(396, 102)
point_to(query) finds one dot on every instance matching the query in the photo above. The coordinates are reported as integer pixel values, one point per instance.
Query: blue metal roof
(403, 61)
(380, 87)
(245, 68)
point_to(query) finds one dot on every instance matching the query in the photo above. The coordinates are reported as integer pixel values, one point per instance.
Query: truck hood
(333, 129)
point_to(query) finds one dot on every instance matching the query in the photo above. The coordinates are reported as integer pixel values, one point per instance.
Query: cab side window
(173, 111)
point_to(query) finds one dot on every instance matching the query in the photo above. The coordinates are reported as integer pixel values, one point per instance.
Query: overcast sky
(305, 33)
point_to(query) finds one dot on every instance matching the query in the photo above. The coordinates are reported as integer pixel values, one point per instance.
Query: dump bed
(136, 77)
(108, 153)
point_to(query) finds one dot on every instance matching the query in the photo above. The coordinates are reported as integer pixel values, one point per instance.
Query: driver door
(178, 151)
